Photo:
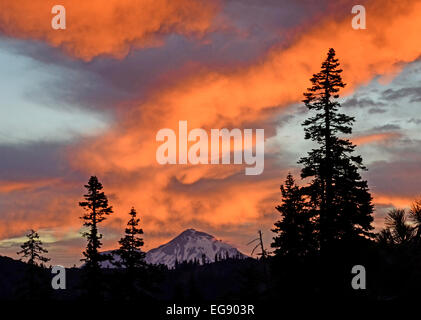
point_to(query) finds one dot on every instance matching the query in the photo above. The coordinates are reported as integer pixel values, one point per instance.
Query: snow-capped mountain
(190, 245)
(187, 246)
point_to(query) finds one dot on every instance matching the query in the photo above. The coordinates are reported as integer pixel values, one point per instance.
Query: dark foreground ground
(270, 286)
(391, 275)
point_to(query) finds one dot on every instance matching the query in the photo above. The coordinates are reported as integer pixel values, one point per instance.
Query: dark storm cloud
(411, 93)
(387, 127)
(414, 120)
(364, 102)
(376, 111)
(30, 161)
(401, 175)
(104, 83)
(274, 12)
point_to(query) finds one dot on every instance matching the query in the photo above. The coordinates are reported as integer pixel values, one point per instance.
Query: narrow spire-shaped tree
(132, 258)
(33, 250)
(96, 209)
(295, 231)
(130, 245)
(337, 191)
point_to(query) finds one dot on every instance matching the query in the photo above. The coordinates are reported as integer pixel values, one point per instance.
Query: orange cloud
(177, 196)
(376, 137)
(11, 186)
(111, 27)
(233, 98)
(215, 99)
(40, 209)
(396, 201)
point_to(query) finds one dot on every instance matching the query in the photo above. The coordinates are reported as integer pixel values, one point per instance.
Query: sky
(89, 100)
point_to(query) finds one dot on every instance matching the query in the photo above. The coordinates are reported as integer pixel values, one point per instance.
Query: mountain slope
(187, 246)
(190, 245)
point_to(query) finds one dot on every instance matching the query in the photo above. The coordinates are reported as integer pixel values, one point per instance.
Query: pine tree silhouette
(131, 257)
(337, 192)
(398, 232)
(130, 245)
(33, 250)
(415, 216)
(34, 286)
(295, 231)
(96, 209)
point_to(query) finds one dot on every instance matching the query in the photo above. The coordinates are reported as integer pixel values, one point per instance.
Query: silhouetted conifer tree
(295, 231)
(33, 250)
(96, 209)
(415, 216)
(398, 231)
(337, 192)
(130, 245)
(34, 286)
(131, 256)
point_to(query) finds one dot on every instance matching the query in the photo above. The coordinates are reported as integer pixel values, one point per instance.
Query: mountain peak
(191, 245)
(188, 231)
(193, 233)
(188, 246)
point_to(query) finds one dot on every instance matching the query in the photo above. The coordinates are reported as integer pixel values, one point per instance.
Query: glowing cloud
(110, 27)
(375, 138)
(11, 186)
(184, 195)
(234, 98)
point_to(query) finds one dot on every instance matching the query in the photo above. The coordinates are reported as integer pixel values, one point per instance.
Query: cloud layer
(209, 91)
(110, 27)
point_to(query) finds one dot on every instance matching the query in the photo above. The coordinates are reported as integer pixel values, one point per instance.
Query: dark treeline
(324, 230)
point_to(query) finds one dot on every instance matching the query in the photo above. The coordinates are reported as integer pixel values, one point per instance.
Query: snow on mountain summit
(190, 245)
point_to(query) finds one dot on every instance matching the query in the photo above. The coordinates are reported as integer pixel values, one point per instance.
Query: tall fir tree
(96, 209)
(295, 231)
(337, 192)
(132, 257)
